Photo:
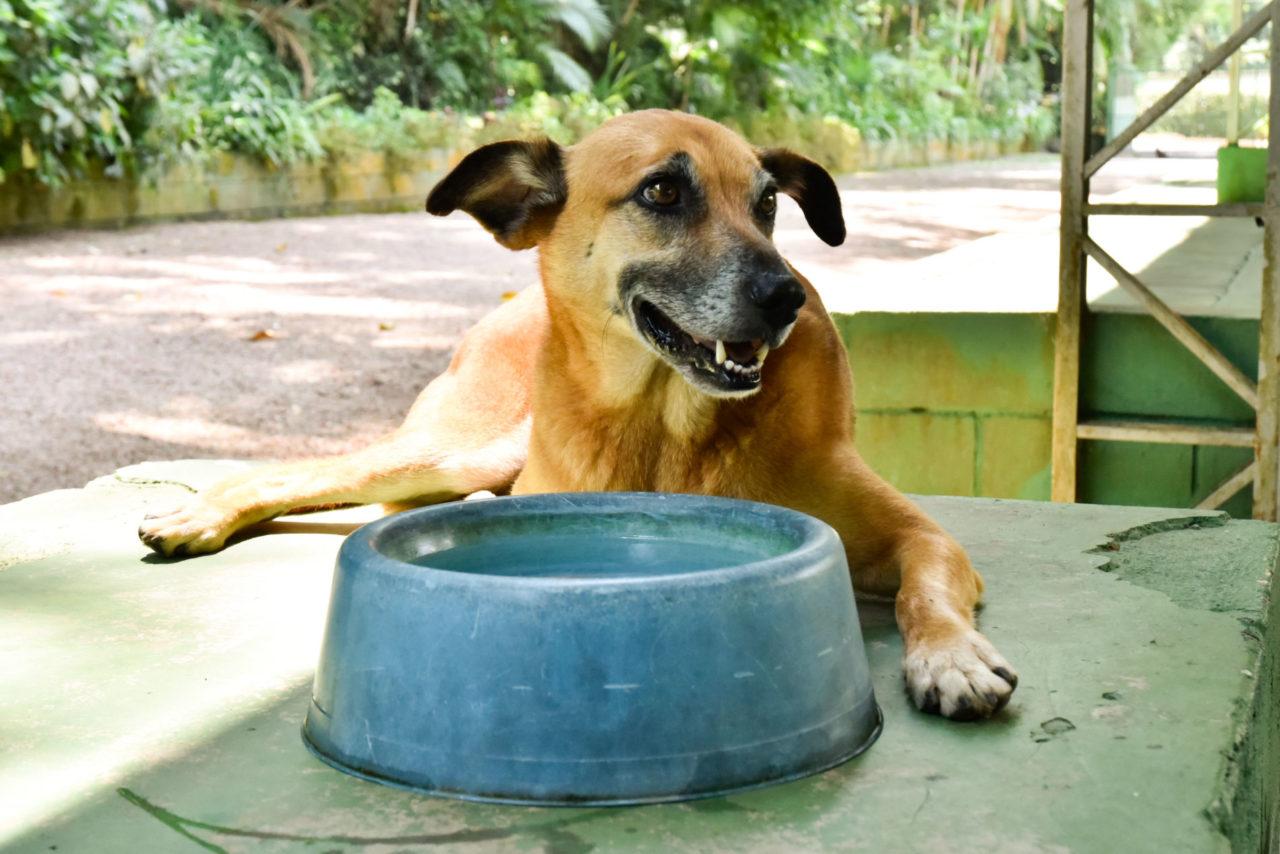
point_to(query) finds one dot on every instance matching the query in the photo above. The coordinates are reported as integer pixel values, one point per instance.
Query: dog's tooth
(761, 353)
(720, 352)
(728, 363)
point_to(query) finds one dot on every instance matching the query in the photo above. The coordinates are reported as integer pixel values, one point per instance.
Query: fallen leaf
(58, 293)
(262, 335)
(507, 295)
(282, 247)
(384, 326)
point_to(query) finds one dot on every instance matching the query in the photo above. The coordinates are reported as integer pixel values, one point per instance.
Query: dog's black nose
(778, 295)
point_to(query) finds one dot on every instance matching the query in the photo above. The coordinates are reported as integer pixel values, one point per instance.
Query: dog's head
(664, 219)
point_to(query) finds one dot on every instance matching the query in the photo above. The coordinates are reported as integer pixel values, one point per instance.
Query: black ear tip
(834, 237)
(443, 198)
(436, 206)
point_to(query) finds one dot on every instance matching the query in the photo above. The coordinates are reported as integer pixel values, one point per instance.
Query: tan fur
(554, 392)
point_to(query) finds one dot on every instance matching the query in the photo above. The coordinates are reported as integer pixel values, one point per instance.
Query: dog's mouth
(725, 366)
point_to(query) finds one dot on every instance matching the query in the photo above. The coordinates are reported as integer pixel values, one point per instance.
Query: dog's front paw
(962, 678)
(197, 527)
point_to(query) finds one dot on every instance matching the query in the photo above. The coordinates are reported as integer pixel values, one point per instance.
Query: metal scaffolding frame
(1076, 246)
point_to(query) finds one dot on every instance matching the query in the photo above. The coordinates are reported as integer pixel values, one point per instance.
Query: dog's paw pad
(963, 678)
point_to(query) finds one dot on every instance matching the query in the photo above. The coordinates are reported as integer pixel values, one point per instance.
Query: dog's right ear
(514, 189)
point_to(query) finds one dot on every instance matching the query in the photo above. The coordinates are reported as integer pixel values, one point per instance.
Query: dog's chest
(642, 453)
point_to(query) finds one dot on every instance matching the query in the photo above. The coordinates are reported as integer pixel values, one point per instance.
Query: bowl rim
(810, 555)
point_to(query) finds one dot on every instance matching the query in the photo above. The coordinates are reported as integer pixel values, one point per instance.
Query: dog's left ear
(514, 189)
(812, 187)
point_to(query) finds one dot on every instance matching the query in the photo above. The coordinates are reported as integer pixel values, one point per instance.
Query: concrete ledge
(226, 186)
(155, 706)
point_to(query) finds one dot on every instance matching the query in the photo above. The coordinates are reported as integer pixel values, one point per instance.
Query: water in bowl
(587, 556)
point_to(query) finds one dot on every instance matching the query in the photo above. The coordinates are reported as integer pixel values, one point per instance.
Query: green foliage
(79, 81)
(136, 82)
(241, 99)
(386, 125)
(1205, 114)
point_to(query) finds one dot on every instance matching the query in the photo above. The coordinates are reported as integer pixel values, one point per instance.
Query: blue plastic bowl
(591, 649)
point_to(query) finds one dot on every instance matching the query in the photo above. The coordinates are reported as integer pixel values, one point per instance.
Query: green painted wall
(961, 404)
(954, 404)
(1132, 368)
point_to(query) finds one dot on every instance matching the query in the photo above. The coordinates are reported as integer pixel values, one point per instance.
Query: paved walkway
(310, 336)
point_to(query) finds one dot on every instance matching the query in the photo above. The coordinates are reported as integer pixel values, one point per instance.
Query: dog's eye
(769, 203)
(663, 194)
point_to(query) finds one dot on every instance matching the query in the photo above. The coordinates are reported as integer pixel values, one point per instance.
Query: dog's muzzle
(716, 366)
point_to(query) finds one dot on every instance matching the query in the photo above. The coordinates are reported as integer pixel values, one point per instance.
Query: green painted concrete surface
(155, 706)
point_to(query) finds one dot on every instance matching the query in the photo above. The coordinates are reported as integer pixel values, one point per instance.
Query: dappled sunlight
(232, 299)
(307, 371)
(237, 298)
(415, 342)
(40, 336)
(357, 256)
(210, 435)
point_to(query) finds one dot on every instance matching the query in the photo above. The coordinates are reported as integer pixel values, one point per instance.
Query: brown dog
(640, 364)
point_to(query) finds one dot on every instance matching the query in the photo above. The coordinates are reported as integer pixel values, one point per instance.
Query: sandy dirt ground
(302, 337)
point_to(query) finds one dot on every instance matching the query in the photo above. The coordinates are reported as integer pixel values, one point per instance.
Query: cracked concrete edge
(1243, 812)
(192, 475)
(1116, 539)
(1197, 519)
(1248, 809)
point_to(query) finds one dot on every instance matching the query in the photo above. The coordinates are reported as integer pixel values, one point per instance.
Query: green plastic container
(1242, 174)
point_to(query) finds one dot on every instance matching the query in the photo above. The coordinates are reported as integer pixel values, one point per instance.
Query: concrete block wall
(225, 186)
(961, 404)
(954, 404)
(1132, 368)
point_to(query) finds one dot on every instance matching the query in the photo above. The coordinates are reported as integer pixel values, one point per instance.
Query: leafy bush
(79, 80)
(240, 99)
(132, 83)
(386, 125)
(1205, 114)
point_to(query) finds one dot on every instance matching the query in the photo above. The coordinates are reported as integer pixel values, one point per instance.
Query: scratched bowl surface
(591, 649)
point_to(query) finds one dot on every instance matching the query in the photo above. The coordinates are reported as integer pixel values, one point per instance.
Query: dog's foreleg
(893, 547)
(400, 468)
(949, 666)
